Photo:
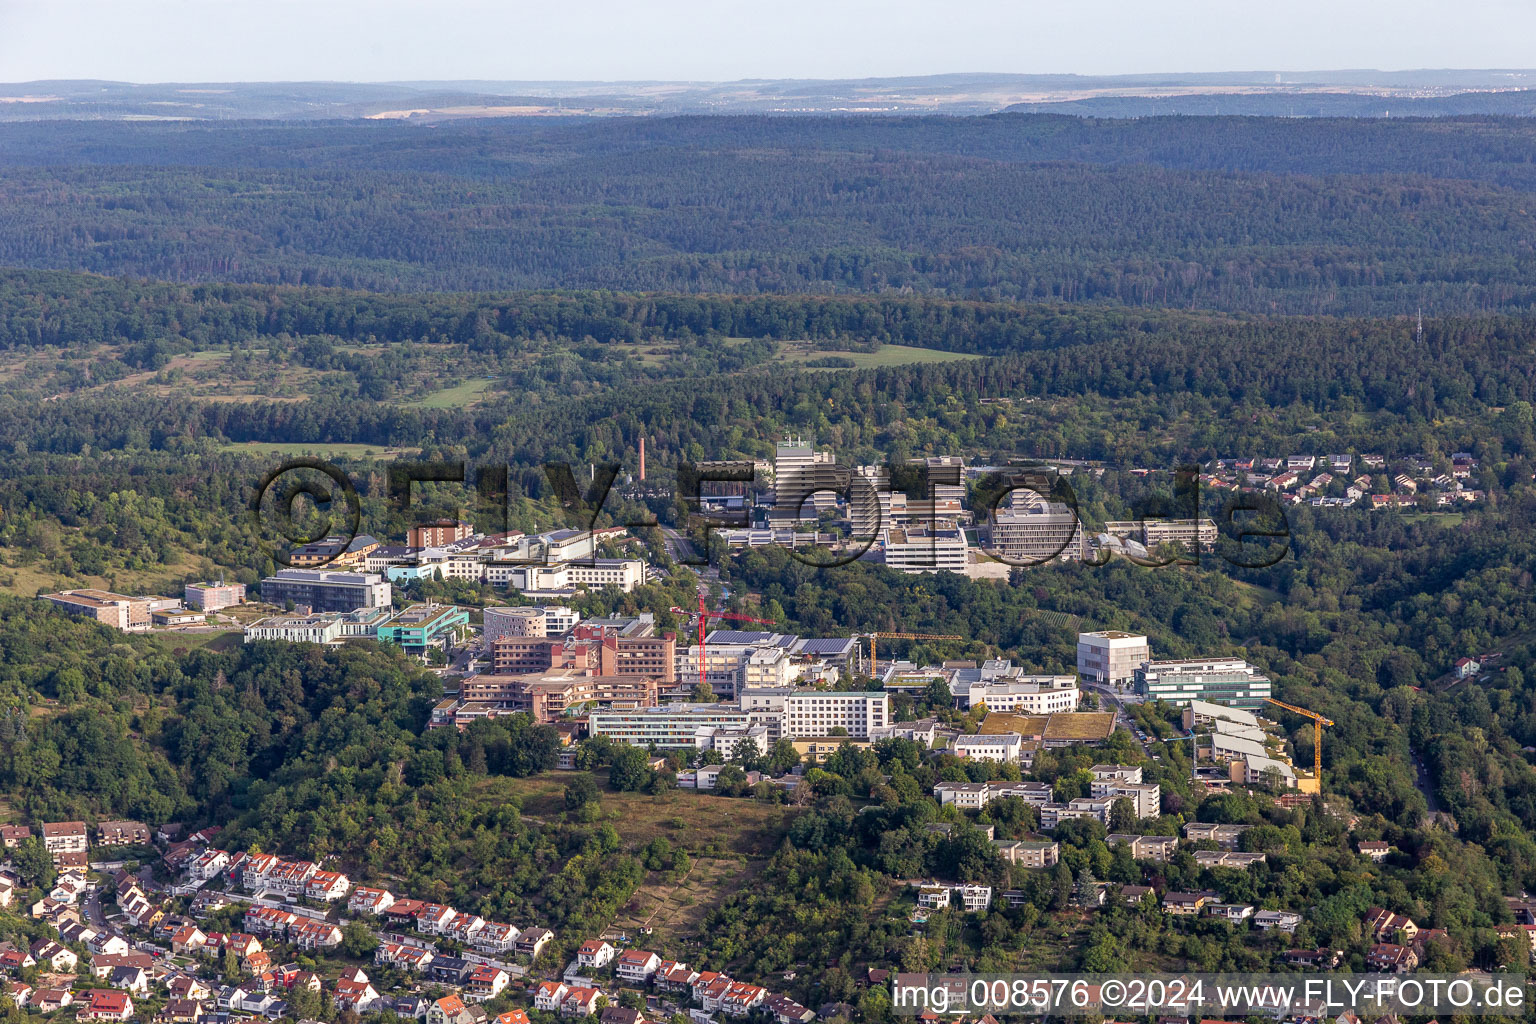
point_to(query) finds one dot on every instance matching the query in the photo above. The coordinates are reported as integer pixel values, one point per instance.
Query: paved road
(678, 546)
(1107, 694)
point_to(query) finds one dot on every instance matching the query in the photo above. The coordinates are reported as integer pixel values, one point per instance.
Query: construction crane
(1318, 721)
(873, 665)
(705, 614)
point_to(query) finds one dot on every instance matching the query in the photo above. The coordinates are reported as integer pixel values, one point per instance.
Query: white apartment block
(624, 573)
(1025, 695)
(810, 713)
(1004, 747)
(973, 796)
(671, 725)
(1111, 657)
(312, 629)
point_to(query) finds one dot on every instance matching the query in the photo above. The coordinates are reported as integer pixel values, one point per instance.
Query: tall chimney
(642, 460)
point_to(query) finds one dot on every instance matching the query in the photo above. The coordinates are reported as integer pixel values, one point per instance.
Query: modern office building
(938, 548)
(296, 629)
(424, 625)
(116, 610)
(1111, 657)
(672, 725)
(550, 696)
(326, 591)
(1191, 534)
(1038, 532)
(210, 597)
(528, 621)
(1216, 680)
(805, 482)
(439, 533)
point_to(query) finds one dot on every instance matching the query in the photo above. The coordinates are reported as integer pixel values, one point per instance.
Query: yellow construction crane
(1318, 721)
(904, 636)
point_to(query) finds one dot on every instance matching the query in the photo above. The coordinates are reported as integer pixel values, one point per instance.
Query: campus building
(1111, 657)
(1217, 680)
(326, 591)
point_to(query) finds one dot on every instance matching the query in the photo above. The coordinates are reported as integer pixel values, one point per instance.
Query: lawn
(460, 396)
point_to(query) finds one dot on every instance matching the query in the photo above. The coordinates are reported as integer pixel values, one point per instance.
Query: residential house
(326, 886)
(594, 953)
(312, 934)
(186, 986)
(365, 900)
(452, 1010)
(1391, 958)
(357, 996)
(1156, 848)
(1384, 925)
(1319, 959)
(12, 836)
(57, 958)
(621, 1015)
(188, 939)
(13, 959)
(580, 1001)
(1285, 920)
(1375, 849)
(495, 938)
(450, 970)
(533, 941)
(1227, 858)
(122, 833)
(1234, 912)
(674, 976)
(180, 1011)
(464, 927)
(51, 1000)
(65, 837)
(786, 1011)
(637, 966)
(741, 998)
(1186, 904)
(433, 918)
(104, 1004)
(548, 995)
(20, 993)
(486, 982)
(131, 979)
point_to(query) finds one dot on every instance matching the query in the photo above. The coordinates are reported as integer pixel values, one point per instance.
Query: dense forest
(1326, 216)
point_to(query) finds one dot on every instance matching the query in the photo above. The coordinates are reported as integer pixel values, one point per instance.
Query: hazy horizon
(398, 41)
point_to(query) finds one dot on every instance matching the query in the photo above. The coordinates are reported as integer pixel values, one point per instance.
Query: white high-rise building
(804, 480)
(1111, 657)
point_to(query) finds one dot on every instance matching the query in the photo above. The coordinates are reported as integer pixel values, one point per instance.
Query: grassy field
(460, 396)
(886, 355)
(339, 450)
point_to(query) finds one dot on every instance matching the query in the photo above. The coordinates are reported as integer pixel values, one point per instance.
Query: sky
(726, 40)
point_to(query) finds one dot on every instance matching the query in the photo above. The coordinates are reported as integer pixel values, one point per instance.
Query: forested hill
(1253, 214)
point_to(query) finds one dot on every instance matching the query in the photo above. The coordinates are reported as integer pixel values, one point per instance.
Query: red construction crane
(705, 614)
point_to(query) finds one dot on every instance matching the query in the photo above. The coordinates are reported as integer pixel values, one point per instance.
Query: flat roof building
(1111, 657)
(1215, 680)
(326, 591)
(210, 597)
